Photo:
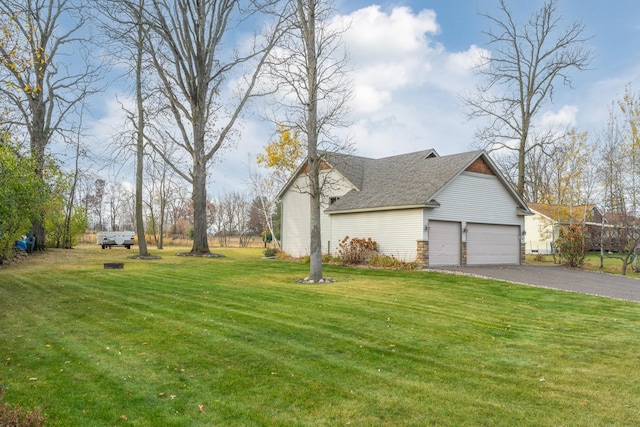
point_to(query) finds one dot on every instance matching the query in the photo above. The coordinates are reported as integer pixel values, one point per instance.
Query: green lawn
(612, 263)
(235, 341)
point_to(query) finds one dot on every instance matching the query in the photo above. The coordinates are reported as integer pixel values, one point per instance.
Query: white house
(449, 210)
(542, 227)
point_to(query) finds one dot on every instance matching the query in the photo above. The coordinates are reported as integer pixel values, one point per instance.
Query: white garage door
(493, 244)
(444, 243)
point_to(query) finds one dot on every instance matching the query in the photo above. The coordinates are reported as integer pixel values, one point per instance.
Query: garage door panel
(493, 244)
(444, 243)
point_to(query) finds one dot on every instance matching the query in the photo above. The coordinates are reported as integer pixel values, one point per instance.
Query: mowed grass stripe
(238, 336)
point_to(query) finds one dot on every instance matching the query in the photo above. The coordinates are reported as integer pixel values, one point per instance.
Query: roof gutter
(523, 212)
(381, 208)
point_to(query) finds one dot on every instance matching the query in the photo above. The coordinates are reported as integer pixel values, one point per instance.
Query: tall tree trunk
(521, 168)
(308, 20)
(315, 237)
(163, 202)
(200, 240)
(38, 143)
(142, 241)
(67, 238)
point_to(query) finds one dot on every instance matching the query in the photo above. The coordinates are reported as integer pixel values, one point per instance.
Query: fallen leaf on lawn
(173, 396)
(124, 417)
(201, 408)
(162, 393)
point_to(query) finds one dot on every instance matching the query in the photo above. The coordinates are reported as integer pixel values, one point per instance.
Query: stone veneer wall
(463, 255)
(422, 257)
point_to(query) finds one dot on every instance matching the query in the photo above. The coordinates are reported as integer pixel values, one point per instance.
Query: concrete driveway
(559, 277)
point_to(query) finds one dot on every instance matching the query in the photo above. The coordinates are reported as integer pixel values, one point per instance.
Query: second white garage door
(493, 244)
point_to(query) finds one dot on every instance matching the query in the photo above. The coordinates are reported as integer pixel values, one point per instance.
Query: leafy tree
(43, 84)
(283, 155)
(22, 194)
(63, 221)
(526, 64)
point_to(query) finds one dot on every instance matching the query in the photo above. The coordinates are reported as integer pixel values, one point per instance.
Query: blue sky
(412, 61)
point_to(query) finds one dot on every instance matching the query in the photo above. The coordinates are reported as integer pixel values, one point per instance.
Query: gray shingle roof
(411, 179)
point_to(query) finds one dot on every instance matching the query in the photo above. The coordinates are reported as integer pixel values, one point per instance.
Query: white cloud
(463, 63)
(374, 34)
(406, 84)
(395, 52)
(369, 99)
(566, 116)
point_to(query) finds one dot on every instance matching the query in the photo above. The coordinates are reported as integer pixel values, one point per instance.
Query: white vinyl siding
(396, 231)
(294, 232)
(444, 243)
(539, 237)
(475, 197)
(493, 244)
(481, 199)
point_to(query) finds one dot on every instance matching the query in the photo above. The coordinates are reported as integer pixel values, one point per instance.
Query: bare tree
(188, 45)
(567, 171)
(241, 209)
(46, 72)
(538, 172)
(162, 190)
(311, 68)
(265, 189)
(74, 178)
(618, 169)
(125, 27)
(526, 64)
(94, 203)
(222, 218)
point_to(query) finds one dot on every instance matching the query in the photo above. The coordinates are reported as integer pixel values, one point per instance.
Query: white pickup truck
(116, 238)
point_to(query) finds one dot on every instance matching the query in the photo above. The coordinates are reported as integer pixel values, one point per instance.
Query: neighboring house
(449, 210)
(543, 226)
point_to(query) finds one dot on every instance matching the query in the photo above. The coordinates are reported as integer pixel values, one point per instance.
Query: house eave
(378, 209)
(523, 212)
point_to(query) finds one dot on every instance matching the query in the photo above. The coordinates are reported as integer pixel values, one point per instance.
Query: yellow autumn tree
(281, 158)
(630, 119)
(569, 160)
(283, 155)
(630, 107)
